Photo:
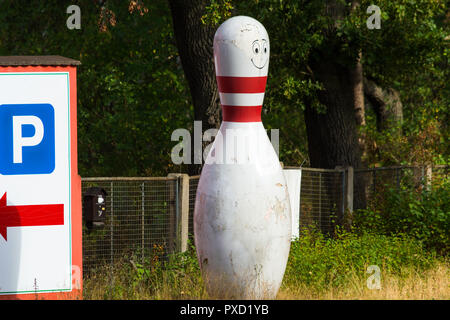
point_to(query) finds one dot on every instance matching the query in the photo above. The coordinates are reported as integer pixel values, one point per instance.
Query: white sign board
(35, 186)
(294, 182)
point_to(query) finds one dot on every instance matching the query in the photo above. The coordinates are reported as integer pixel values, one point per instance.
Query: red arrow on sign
(29, 216)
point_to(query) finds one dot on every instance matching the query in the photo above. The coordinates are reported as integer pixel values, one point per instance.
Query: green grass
(318, 267)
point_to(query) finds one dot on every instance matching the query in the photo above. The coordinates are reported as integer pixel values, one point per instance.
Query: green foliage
(423, 215)
(158, 276)
(217, 11)
(132, 92)
(135, 95)
(294, 30)
(411, 38)
(390, 147)
(131, 89)
(322, 262)
(316, 262)
(409, 53)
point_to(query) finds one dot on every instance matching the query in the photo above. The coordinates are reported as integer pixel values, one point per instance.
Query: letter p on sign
(27, 139)
(19, 141)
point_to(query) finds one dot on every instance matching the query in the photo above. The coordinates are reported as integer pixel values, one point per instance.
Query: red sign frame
(76, 210)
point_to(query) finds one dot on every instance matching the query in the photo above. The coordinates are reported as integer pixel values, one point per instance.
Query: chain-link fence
(322, 198)
(147, 213)
(376, 182)
(193, 183)
(141, 215)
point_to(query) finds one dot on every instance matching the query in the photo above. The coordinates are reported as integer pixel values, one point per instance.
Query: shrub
(421, 214)
(321, 262)
(316, 264)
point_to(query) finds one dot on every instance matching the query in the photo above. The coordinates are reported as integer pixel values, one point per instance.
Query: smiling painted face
(260, 53)
(241, 48)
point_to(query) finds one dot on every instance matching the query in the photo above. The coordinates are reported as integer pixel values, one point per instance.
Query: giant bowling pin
(242, 218)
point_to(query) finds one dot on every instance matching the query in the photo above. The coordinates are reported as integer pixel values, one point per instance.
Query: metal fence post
(112, 225)
(112, 232)
(344, 192)
(397, 178)
(143, 219)
(320, 200)
(374, 179)
(422, 176)
(173, 208)
(177, 215)
(182, 209)
(349, 191)
(429, 177)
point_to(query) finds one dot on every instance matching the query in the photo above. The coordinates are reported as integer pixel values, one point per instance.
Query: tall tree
(131, 93)
(322, 49)
(332, 136)
(195, 45)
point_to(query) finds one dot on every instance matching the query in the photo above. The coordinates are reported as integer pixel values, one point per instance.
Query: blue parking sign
(27, 139)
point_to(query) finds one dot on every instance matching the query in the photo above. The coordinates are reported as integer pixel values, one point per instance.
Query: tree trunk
(386, 103)
(195, 46)
(358, 92)
(333, 136)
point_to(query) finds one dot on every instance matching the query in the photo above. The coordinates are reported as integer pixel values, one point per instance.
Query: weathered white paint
(241, 48)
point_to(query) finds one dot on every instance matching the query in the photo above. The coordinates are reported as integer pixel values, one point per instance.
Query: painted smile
(257, 65)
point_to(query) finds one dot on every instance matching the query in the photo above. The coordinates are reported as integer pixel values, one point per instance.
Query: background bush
(316, 264)
(420, 213)
(322, 262)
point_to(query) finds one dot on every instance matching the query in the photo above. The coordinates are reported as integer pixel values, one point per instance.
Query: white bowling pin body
(242, 217)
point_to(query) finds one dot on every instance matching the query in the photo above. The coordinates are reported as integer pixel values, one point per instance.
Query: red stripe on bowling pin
(245, 95)
(241, 84)
(241, 113)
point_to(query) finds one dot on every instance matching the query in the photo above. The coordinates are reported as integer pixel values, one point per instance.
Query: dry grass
(318, 268)
(432, 284)
(163, 286)
(412, 285)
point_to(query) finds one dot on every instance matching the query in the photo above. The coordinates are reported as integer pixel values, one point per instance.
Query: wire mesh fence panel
(321, 198)
(144, 214)
(378, 182)
(373, 182)
(193, 184)
(140, 217)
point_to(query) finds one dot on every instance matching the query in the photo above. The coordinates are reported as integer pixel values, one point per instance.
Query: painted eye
(256, 47)
(265, 49)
